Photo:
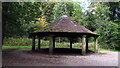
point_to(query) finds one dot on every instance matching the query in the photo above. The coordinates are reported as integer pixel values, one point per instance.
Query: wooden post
(33, 43)
(50, 44)
(86, 44)
(53, 42)
(70, 43)
(39, 42)
(83, 44)
(95, 45)
(59, 39)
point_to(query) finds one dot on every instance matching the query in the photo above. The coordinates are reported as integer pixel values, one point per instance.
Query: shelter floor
(63, 51)
(61, 57)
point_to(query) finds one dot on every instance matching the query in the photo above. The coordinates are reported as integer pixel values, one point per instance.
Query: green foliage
(23, 43)
(17, 41)
(62, 8)
(101, 24)
(37, 25)
(114, 8)
(18, 17)
(109, 36)
(77, 13)
(44, 42)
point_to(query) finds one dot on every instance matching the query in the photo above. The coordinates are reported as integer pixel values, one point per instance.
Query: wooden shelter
(65, 27)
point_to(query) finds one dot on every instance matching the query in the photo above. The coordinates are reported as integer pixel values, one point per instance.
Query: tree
(99, 20)
(115, 10)
(17, 16)
(77, 13)
(62, 8)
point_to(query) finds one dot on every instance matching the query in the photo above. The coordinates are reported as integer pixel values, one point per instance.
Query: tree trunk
(33, 43)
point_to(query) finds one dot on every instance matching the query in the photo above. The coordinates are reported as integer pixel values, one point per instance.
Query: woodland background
(21, 18)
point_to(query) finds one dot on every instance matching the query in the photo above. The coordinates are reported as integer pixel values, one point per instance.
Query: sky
(83, 3)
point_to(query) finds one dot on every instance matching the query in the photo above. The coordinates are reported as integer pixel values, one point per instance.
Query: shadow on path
(63, 51)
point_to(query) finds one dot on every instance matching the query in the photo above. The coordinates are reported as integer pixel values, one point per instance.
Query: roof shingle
(65, 24)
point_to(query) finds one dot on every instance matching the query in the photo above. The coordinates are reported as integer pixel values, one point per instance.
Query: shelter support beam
(70, 43)
(86, 44)
(83, 44)
(51, 44)
(33, 43)
(39, 41)
(96, 44)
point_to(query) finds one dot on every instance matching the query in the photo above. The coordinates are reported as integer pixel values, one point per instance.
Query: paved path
(26, 57)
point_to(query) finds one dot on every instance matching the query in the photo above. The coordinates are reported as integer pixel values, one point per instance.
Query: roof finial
(64, 16)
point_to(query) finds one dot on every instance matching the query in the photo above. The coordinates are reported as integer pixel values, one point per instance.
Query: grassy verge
(101, 49)
(20, 47)
(25, 43)
(29, 47)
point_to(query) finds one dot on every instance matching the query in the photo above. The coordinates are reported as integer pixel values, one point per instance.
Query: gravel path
(26, 57)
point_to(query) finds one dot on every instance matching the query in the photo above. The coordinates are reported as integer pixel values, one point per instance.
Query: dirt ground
(61, 57)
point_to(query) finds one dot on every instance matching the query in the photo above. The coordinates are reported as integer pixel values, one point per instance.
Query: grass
(29, 47)
(25, 43)
(20, 47)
